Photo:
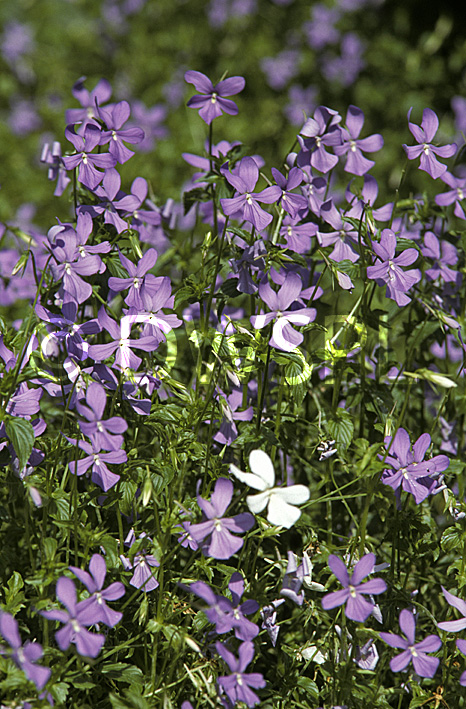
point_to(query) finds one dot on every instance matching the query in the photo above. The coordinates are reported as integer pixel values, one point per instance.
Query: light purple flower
(237, 686)
(90, 102)
(424, 135)
(76, 619)
(454, 626)
(461, 645)
(24, 656)
(353, 147)
(87, 161)
(357, 608)
(245, 202)
(389, 271)
(143, 563)
(212, 101)
(229, 614)
(97, 461)
(284, 337)
(114, 118)
(103, 433)
(443, 254)
(94, 583)
(215, 531)
(424, 665)
(455, 195)
(122, 343)
(320, 131)
(291, 203)
(409, 469)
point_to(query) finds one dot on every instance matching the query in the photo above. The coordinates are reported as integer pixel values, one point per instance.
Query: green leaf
(307, 685)
(452, 539)
(341, 428)
(21, 434)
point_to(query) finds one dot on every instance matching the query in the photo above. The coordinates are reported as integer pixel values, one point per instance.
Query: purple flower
(76, 619)
(424, 666)
(291, 203)
(113, 201)
(320, 131)
(389, 271)
(237, 686)
(114, 117)
(68, 330)
(97, 461)
(88, 163)
(409, 470)
(456, 194)
(212, 101)
(461, 645)
(353, 147)
(284, 337)
(357, 608)
(229, 614)
(345, 237)
(70, 267)
(216, 530)
(424, 134)
(245, 203)
(138, 280)
(143, 563)
(122, 343)
(454, 626)
(269, 620)
(94, 583)
(24, 656)
(294, 577)
(443, 255)
(90, 102)
(101, 432)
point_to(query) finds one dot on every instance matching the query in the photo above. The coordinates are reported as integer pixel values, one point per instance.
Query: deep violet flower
(424, 666)
(112, 201)
(443, 254)
(389, 271)
(76, 619)
(357, 608)
(24, 656)
(424, 135)
(94, 583)
(353, 147)
(280, 501)
(237, 686)
(245, 202)
(212, 101)
(215, 531)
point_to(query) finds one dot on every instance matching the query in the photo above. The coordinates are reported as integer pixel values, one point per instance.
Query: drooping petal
(281, 513)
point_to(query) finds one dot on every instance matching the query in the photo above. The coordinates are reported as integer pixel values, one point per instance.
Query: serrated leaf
(341, 428)
(21, 434)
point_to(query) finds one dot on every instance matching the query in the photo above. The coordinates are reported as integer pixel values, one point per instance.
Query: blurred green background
(383, 56)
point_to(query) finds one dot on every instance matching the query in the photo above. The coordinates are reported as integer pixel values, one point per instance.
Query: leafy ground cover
(232, 421)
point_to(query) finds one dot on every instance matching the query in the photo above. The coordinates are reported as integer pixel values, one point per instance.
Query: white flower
(280, 500)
